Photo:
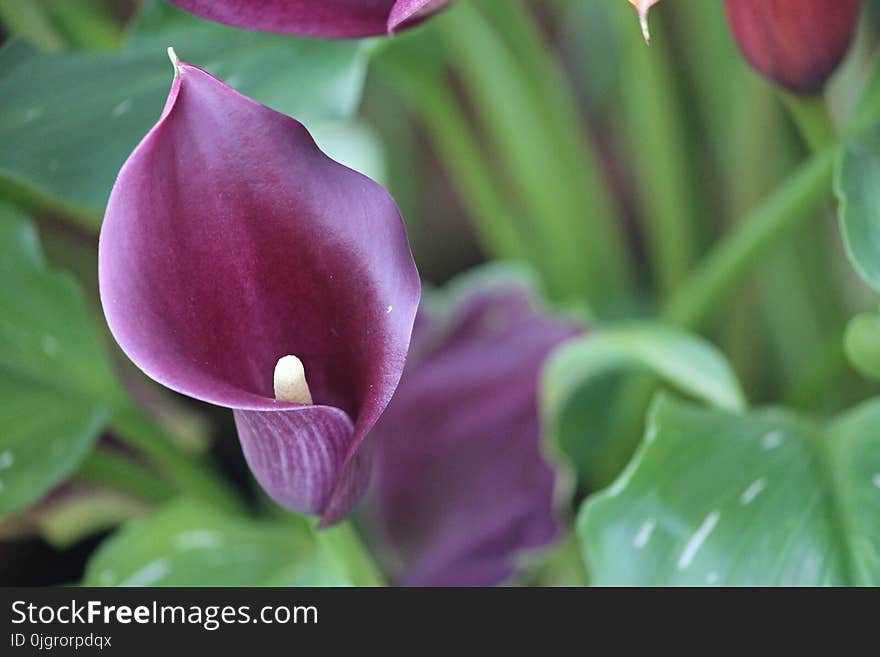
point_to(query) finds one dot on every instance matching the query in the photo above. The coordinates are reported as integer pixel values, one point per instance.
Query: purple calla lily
(241, 266)
(317, 18)
(460, 484)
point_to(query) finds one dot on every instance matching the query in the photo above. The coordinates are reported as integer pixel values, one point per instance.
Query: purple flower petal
(460, 483)
(231, 241)
(318, 18)
(407, 13)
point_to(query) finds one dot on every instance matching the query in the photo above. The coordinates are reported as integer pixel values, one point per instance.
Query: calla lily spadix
(317, 18)
(241, 266)
(461, 486)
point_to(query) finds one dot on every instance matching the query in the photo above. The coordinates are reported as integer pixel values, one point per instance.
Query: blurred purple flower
(231, 243)
(460, 484)
(797, 44)
(317, 18)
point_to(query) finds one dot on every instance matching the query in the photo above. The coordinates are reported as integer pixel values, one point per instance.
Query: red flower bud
(796, 43)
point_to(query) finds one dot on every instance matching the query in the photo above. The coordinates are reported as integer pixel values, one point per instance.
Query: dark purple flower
(317, 18)
(460, 483)
(230, 242)
(797, 44)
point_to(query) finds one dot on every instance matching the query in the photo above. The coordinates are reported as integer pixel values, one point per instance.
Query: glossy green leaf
(856, 186)
(55, 383)
(862, 342)
(760, 499)
(69, 120)
(186, 544)
(684, 361)
(45, 435)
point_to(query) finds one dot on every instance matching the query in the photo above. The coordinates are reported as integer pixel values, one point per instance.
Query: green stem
(31, 21)
(816, 275)
(119, 473)
(754, 120)
(86, 25)
(790, 204)
(452, 137)
(517, 123)
(345, 544)
(562, 117)
(700, 295)
(188, 475)
(661, 159)
(812, 119)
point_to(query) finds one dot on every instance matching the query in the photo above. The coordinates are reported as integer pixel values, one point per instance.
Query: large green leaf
(582, 381)
(186, 544)
(44, 436)
(857, 185)
(55, 383)
(68, 121)
(763, 498)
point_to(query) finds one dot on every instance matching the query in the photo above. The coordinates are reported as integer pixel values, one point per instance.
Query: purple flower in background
(460, 483)
(317, 18)
(241, 266)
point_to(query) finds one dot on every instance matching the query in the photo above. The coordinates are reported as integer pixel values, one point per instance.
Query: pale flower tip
(643, 21)
(290, 382)
(175, 60)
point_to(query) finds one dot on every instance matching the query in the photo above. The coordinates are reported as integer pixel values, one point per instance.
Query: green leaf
(55, 383)
(582, 382)
(764, 498)
(187, 544)
(45, 436)
(682, 360)
(65, 154)
(855, 185)
(862, 343)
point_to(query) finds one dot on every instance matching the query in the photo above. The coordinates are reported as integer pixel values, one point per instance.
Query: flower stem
(536, 153)
(828, 363)
(122, 474)
(190, 476)
(812, 119)
(562, 117)
(456, 145)
(30, 19)
(793, 202)
(790, 204)
(653, 124)
(345, 544)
